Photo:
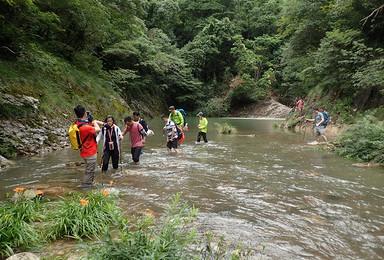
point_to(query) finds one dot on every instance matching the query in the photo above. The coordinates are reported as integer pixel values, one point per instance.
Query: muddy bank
(263, 109)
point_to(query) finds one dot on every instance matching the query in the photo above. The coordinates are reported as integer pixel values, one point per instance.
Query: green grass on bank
(58, 86)
(30, 222)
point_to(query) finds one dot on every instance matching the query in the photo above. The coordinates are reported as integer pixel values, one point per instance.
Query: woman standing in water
(111, 135)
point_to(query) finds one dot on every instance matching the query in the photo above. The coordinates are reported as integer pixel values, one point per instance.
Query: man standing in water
(138, 136)
(170, 127)
(176, 116)
(319, 124)
(203, 127)
(89, 129)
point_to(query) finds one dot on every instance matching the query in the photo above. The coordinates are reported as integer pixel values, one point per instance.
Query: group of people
(92, 131)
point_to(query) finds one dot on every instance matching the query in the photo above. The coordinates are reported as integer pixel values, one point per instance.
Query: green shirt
(177, 118)
(203, 125)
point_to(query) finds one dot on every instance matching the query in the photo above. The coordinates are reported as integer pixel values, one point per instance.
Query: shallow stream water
(259, 186)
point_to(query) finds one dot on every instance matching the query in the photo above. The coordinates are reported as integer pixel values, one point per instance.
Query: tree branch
(374, 14)
(5, 47)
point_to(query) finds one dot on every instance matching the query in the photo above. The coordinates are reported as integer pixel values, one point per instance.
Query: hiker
(137, 118)
(172, 135)
(319, 125)
(112, 137)
(88, 128)
(176, 116)
(203, 127)
(300, 105)
(138, 136)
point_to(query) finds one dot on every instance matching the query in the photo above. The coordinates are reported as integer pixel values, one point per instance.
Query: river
(260, 186)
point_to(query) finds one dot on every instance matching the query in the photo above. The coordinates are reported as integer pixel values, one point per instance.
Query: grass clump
(227, 129)
(362, 141)
(16, 223)
(142, 238)
(83, 216)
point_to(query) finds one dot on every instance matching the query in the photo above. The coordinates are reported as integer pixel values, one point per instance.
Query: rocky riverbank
(263, 109)
(24, 130)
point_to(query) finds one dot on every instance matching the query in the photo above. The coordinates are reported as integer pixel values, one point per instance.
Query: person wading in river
(203, 127)
(319, 125)
(111, 135)
(89, 129)
(138, 136)
(170, 127)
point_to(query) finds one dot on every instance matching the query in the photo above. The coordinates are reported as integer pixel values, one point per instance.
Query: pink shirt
(134, 132)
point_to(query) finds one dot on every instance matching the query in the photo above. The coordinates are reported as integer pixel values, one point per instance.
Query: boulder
(5, 163)
(23, 256)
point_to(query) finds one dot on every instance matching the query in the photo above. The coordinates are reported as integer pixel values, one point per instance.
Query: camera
(107, 126)
(89, 117)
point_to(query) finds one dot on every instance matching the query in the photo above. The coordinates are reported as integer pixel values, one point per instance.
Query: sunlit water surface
(259, 186)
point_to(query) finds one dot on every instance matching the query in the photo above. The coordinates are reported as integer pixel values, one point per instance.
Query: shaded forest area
(213, 54)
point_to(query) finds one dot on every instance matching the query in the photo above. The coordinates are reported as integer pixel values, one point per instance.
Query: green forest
(213, 54)
(216, 56)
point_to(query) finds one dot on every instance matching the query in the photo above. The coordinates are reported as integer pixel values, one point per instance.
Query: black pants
(204, 135)
(115, 159)
(135, 151)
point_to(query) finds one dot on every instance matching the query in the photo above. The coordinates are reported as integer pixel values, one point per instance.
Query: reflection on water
(259, 186)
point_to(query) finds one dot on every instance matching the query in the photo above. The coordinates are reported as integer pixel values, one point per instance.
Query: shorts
(320, 130)
(135, 151)
(172, 144)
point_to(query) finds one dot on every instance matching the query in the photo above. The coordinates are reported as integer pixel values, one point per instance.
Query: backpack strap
(86, 136)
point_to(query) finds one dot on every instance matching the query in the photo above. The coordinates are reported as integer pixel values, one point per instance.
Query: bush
(363, 141)
(215, 107)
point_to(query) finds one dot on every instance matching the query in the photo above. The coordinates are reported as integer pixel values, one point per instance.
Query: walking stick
(101, 169)
(121, 166)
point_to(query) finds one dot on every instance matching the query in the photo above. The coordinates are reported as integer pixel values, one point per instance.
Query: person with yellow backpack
(83, 137)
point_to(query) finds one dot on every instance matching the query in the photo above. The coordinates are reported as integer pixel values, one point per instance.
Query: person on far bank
(170, 127)
(176, 116)
(300, 105)
(89, 129)
(203, 127)
(112, 137)
(138, 136)
(319, 125)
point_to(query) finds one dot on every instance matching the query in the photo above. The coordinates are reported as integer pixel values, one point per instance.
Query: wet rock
(366, 164)
(147, 212)
(20, 100)
(54, 191)
(24, 256)
(5, 163)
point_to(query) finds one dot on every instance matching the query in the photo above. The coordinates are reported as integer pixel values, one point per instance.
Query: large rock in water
(263, 109)
(4, 163)
(24, 256)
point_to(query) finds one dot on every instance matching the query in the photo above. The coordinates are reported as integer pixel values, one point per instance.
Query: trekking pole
(121, 166)
(162, 139)
(101, 169)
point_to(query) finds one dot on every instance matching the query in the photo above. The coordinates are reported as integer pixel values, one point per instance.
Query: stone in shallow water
(24, 256)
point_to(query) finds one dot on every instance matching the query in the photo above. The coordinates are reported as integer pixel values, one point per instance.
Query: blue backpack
(325, 123)
(183, 113)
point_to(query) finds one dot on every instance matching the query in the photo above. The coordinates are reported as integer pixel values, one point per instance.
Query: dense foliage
(363, 141)
(188, 52)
